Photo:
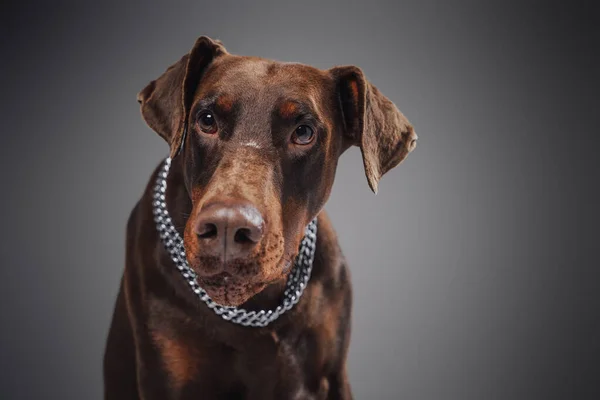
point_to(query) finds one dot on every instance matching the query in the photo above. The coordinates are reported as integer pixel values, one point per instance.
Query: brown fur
(164, 343)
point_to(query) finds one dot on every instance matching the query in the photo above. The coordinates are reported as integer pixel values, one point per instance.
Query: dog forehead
(240, 77)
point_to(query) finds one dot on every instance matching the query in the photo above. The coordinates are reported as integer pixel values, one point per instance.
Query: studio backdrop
(475, 267)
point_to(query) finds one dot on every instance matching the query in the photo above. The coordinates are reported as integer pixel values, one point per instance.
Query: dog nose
(229, 229)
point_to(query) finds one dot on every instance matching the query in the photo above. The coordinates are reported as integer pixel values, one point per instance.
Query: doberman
(254, 145)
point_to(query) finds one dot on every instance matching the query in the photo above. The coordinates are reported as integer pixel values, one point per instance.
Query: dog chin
(229, 289)
(231, 294)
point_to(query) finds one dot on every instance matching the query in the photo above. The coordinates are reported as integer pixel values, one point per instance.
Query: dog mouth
(219, 280)
(226, 290)
(236, 281)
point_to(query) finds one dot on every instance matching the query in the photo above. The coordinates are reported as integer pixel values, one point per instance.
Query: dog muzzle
(173, 243)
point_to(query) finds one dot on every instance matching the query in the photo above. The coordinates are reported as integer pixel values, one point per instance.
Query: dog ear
(372, 122)
(166, 101)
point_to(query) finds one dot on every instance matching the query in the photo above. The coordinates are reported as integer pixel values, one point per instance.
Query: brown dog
(256, 166)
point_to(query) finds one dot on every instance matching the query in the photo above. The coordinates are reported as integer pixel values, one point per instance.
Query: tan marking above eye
(288, 109)
(224, 103)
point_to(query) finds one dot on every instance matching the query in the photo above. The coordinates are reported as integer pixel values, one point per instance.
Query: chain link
(296, 283)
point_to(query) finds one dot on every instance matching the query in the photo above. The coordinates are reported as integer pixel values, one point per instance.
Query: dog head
(259, 158)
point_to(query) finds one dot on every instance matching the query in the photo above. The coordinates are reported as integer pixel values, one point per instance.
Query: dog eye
(303, 135)
(206, 122)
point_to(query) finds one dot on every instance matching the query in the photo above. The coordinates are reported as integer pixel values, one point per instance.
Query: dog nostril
(243, 235)
(208, 231)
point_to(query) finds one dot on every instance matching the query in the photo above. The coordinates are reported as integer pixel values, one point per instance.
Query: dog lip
(220, 279)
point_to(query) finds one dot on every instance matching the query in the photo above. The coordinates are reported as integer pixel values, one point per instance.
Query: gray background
(474, 268)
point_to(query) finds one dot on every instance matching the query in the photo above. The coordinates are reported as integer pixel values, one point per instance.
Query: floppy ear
(166, 101)
(373, 123)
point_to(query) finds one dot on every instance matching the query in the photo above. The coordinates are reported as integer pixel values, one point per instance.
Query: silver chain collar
(296, 283)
